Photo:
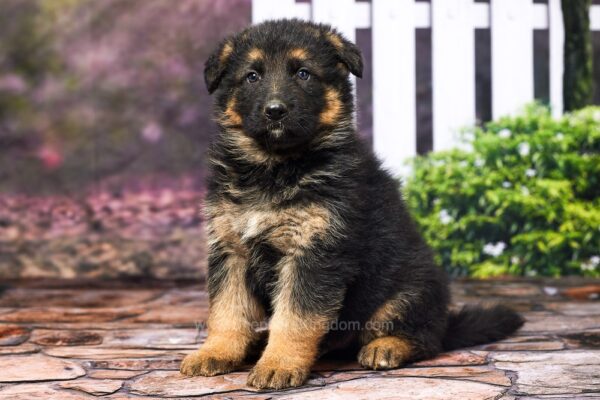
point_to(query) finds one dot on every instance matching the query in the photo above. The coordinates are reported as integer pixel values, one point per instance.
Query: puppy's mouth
(276, 129)
(279, 137)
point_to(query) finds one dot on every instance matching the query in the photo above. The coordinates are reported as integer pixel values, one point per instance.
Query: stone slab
(37, 367)
(173, 384)
(50, 337)
(42, 391)
(65, 314)
(402, 389)
(12, 335)
(103, 353)
(96, 387)
(567, 372)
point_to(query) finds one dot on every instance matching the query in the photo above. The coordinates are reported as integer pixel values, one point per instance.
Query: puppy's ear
(215, 66)
(348, 53)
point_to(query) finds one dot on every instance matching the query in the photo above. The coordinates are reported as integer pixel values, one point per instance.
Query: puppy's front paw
(384, 353)
(276, 375)
(206, 364)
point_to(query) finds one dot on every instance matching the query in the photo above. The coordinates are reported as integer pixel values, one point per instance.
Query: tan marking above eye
(299, 53)
(255, 54)
(333, 107)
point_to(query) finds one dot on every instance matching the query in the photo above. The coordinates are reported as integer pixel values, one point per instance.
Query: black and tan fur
(306, 229)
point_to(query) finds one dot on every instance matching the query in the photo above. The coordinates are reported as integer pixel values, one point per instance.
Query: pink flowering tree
(92, 89)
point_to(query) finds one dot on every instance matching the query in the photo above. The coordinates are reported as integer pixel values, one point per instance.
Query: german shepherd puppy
(306, 228)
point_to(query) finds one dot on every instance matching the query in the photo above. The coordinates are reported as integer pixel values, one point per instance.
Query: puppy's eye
(303, 74)
(252, 77)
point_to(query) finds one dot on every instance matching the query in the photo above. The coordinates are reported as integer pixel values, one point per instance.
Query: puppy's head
(283, 83)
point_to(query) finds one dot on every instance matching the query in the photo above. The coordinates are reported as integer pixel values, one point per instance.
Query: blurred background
(104, 121)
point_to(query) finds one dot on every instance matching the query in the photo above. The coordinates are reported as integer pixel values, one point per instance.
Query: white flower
(560, 136)
(515, 260)
(479, 163)
(524, 149)
(494, 249)
(506, 184)
(462, 164)
(504, 133)
(550, 290)
(591, 264)
(530, 172)
(524, 190)
(587, 266)
(445, 217)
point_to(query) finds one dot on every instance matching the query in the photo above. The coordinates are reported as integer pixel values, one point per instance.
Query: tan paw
(267, 375)
(384, 353)
(206, 364)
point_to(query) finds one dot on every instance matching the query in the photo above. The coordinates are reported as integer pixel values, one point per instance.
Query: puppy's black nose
(275, 110)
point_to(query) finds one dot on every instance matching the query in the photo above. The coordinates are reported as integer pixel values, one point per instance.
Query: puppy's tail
(474, 325)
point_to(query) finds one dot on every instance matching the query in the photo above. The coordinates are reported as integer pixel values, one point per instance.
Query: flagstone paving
(88, 339)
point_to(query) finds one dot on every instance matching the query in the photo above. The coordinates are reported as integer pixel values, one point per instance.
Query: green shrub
(523, 201)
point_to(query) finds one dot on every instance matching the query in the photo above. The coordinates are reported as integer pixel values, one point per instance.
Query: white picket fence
(393, 24)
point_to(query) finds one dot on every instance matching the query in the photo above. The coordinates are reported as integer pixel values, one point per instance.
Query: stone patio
(83, 339)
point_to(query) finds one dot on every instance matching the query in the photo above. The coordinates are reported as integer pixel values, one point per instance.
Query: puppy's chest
(287, 229)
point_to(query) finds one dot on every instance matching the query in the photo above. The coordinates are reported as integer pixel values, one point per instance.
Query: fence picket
(394, 86)
(512, 55)
(453, 46)
(557, 40)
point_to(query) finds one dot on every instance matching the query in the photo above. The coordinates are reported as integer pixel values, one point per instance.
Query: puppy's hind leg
(385, 353)
(390, 338)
